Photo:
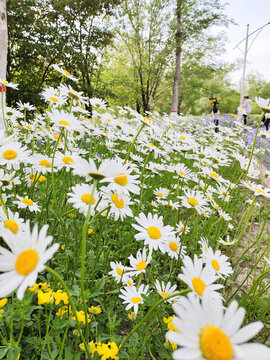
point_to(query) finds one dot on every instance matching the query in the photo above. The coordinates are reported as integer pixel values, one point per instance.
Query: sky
(256, 13)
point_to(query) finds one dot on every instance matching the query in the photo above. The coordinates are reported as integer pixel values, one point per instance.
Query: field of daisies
(130, 237)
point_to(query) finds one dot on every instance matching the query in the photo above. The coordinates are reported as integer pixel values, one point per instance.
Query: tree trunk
(178, 36)
(3, 48)
(3, 39)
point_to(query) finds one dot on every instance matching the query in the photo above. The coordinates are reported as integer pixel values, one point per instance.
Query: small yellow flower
(45, 298)
(132, 316)
(59, 296)
(90, 231)
(95, 310)
(3, 302)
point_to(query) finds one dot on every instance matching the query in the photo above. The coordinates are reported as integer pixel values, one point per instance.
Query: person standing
(215, 111)
(246, 107)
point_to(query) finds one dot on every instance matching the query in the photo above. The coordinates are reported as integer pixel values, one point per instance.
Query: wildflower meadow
(125, 236)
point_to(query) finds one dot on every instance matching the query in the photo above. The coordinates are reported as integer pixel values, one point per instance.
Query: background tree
(193, 17)
(43, 32)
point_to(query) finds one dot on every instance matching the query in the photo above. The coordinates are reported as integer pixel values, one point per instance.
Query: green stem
(3, 109)
(133, 142)
(72, 304)
(243, 228)
(83, 253)
(150, 313)
(3, 203)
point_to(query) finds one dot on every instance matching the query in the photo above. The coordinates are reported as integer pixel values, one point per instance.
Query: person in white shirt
(246, 106)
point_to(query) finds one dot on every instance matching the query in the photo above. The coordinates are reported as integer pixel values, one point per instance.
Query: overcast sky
(255, 13)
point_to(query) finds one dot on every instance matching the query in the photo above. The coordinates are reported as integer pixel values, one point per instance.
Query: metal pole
(244, 69)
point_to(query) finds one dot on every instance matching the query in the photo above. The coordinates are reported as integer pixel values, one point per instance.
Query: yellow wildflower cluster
(106, 351)
(81, 317)
(2, 304)
(168, 321)
(47, 296)
(95, 310)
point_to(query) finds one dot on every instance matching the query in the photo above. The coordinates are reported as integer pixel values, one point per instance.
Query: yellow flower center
(182, 229)
(129, 283)
(28, 201)
(136, 300)
(45, 163)
(141, 265)
(119, 271)
(29, 127)
(182, 137)
(4, 82)
(215, 344)
(215, 265)
(198, 285)
(173, 246)
(193, 202)
(224, 193)
(201, 156)
(216, 207)
(181, 173)
(67, 160)
(164, 294)
(214, 175)
(53, 98)
(26, 262)
(259, 191)
(154, 232)
(121, 180)
(118, 203)
(66, 72)
(11, 225)
(64, 122)
(10, 154)
(86, 198)
(159, 194)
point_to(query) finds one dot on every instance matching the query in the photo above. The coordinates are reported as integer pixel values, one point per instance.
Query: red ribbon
(4, 89)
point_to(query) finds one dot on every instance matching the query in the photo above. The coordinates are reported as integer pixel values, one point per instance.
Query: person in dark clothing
(215, 111)
(266, 121)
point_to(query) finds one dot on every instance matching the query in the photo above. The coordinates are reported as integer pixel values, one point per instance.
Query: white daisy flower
(8, 180)
(166, 290)
(27, 256)
(204, 245)
(182, 228)
(227, 242)
(133, 297)
(63, 119)
(51, 95)
(152, 231)
(11, 223)
(161, 193)
(207, 331)
(64, 72)
(88, 169)
(200, 279)
(119, 203)
(9, 84)
(124, 181)
(65, 160)
(194, 200)
(118, 271)
(26, 203)
(183, 171)
(174, 247)
(13, 154)
(138, 264)
(42, 163)
(98, 103)
(218, 262)
(80, 198)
